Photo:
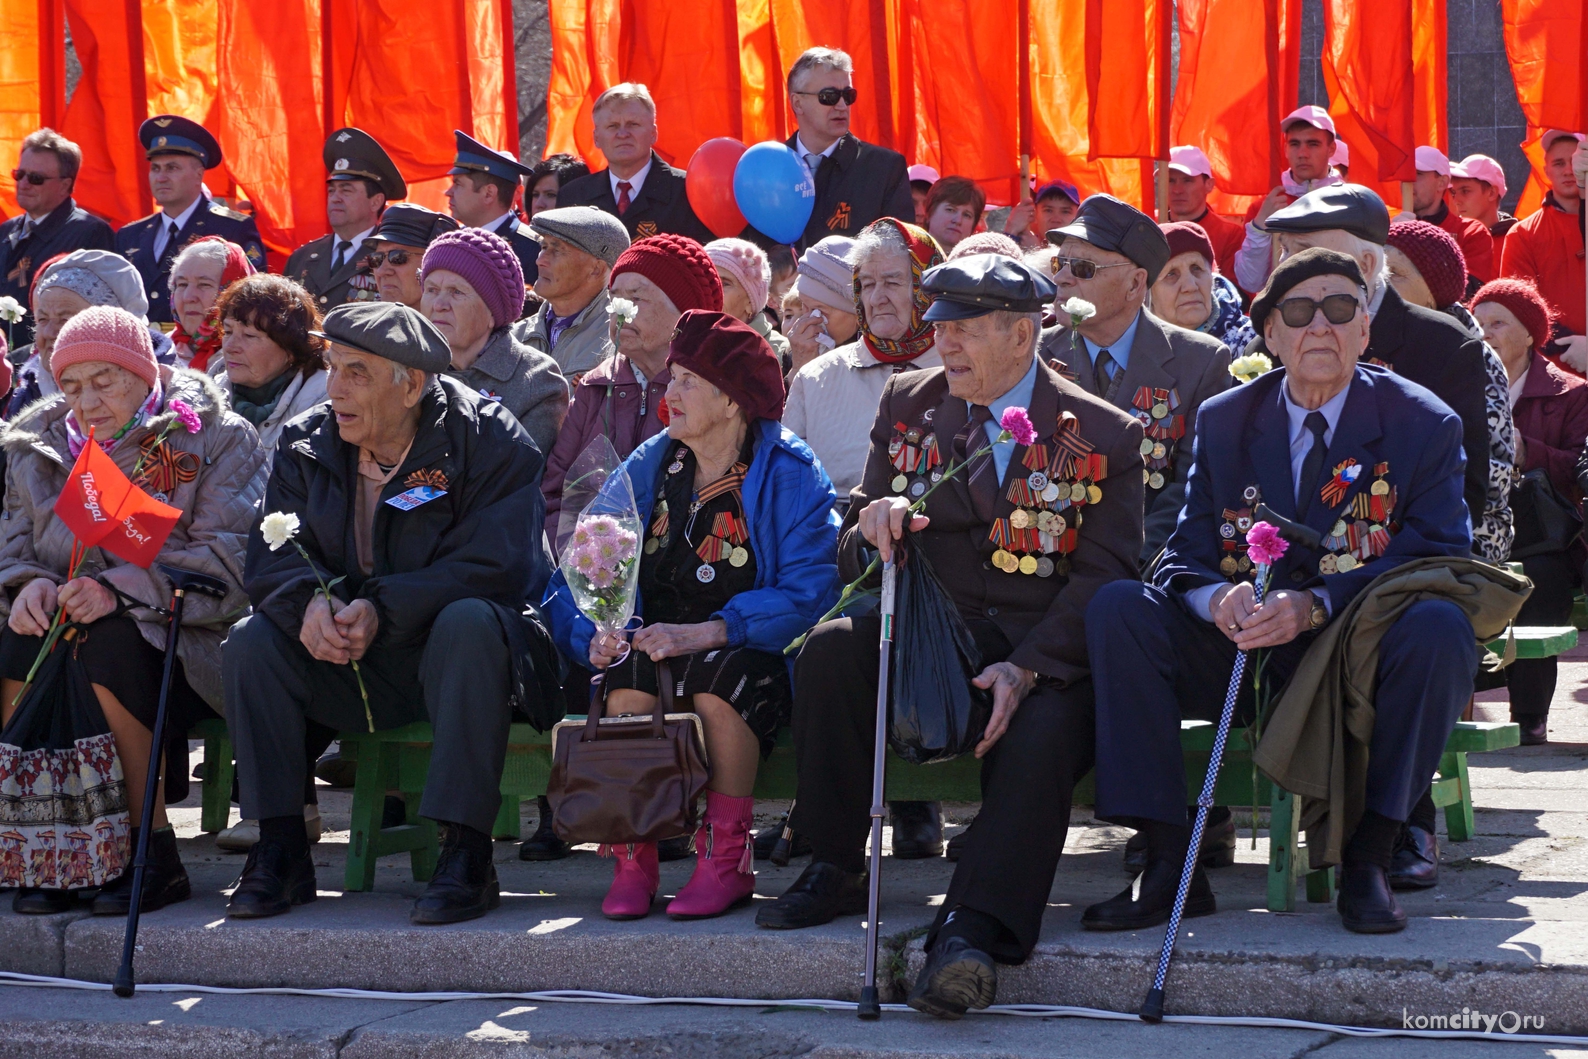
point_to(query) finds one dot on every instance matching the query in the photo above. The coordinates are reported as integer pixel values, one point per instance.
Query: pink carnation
(1264, 544)
(184, 412)
(1018, 423)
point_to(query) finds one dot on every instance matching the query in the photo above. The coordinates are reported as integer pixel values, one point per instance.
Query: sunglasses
(1337, 309)
(1081, 268)
(396, 257)
(36, 179)
(829, 97)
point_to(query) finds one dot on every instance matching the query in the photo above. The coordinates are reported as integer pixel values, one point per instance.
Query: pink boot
(634, 882)
(723, 878)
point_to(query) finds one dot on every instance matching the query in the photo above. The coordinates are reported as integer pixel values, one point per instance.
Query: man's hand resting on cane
(1283, 615)
(1010, 685)
(881, 522)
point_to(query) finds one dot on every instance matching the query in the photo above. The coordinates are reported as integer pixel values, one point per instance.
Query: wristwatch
(1319, 616)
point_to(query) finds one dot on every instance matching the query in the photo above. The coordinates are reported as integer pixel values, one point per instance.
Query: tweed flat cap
(984, 283)
(1348, 207)
(594, 231)
(388, 329)
(1109, 224)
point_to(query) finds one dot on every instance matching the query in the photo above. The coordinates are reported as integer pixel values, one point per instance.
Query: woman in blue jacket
(739, 558)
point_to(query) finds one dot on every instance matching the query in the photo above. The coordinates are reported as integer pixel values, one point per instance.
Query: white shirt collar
(181, 218)
(357, 241)
(804, 150)
(634, 182)
(496, 225)
(1517, 387)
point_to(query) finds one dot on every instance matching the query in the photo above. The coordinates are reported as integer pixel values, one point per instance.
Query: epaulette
(224, 211)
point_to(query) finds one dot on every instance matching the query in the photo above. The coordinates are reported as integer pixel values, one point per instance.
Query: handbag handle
(663, 706)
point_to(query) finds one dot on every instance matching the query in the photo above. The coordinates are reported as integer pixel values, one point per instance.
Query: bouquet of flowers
(600, 557)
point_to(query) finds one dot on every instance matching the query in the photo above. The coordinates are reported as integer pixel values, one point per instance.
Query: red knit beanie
(679, 266)
(1437, 256)
(109, 334)
(1525, 303)
(734, 358)
(1188, 235)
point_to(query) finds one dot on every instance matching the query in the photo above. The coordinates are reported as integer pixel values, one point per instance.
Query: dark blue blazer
(135, 242)
(1243, 439)
(525, 247)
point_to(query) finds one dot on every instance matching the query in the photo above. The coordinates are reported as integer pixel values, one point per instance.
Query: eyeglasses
(1337, 309)
(829, 97)
(36, 179)
(1081, 268)
(396, 257)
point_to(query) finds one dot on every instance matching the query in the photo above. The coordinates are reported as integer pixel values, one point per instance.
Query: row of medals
(1050, 522)
(1155, 450)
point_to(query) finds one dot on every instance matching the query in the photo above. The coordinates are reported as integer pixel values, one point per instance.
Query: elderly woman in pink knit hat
(472, 289)
(746, 288)
(172, 433)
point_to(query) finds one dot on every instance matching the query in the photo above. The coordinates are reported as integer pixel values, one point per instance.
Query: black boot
(917, 829)
(680, 848)
(1415, 863)
(32, 901)
(279, 872)
(822, 893)
(1149, 900)
(959, 975)
(544, 843)
(1218, 842)
(165, 881)
(1535, 728)
(464, 885)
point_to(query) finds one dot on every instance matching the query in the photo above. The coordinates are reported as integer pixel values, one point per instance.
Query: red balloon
(709, 185)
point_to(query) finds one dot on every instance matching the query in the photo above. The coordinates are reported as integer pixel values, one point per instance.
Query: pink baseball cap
(1310, 114)
(1480, 167)
(1431, 160)
(1341, 155)
(1551, 135)
(1190, 161)
(924, 172)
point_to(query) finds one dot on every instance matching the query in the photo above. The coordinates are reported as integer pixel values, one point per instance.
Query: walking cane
(785, 839)
(182, 582)
(870, 1005)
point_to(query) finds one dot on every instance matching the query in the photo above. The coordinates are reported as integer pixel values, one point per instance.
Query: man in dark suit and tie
(484, 186)
(361, 178)
(179, 153)
(856, 182)
(1373, 464)
(637, 186)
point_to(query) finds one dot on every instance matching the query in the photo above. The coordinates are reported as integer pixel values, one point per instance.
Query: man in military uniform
(1021, 539)
(484, 185)
(179, 152)
(362, 179)
(1110, 256)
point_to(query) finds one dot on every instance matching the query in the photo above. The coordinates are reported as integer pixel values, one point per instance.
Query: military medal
(1037, 481)
(899, 482)
(1345, 563)
(1146, 446)
(738, 557)
(705, 573)
(1028, 564)
(1155, 480)
(1044, 567)
(1050, 492)
(1339, 484)
(652, 545)
(917, 489)
(1227, 565)
(1020, 518)
(1094, 495)
(1328, 565)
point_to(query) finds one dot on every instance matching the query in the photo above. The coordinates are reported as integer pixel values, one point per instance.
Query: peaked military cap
(388, 329)
(353, 154)
(978, 284)
(1109, 224)
(170, 134)
(474, 157)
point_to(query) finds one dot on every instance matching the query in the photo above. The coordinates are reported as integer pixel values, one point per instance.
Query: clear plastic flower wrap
(600, 546)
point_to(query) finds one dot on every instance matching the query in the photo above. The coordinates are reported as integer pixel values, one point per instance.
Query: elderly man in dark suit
(1021, 539)
(637, 187)
(856, 182)
(50, 223)
(1372, 463)
(360, 179)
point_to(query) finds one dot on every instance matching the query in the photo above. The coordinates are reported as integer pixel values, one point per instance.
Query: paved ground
(1506, 930)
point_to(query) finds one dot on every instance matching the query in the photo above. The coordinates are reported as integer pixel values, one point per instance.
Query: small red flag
(102, 508)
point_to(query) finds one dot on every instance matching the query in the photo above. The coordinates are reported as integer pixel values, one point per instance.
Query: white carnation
(623, 310)
(1078, 309)
(278, 528)
(11, 310)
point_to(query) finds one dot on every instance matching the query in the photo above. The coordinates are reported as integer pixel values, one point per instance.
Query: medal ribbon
(1334, 489)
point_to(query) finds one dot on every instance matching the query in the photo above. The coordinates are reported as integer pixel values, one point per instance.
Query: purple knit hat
(487, 263)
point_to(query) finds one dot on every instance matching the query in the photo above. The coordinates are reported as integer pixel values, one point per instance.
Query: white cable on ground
(588, 996)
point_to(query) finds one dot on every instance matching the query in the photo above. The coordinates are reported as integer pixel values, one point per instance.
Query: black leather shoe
(767, 837)
(917, 829)
(165, 881)
(31, 901)
(544, 843)
(1366, 904)
(1535, 730)
(1415, 865)
(675, 848)
(464, 885)
(822, 893)
(1155, 900)
(335, 769)
(956, 978)
(273, 880)
(1218, 843)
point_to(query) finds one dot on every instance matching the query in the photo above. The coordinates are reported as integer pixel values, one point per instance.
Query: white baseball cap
(1341, 155)
(1431, 160)
(1480, 167)
(924, 172)
(1190, 161)
(1312, 115)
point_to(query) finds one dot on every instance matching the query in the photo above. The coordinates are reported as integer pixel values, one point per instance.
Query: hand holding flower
(882, 522)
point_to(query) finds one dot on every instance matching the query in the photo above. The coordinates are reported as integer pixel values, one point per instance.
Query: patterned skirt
(755, 683)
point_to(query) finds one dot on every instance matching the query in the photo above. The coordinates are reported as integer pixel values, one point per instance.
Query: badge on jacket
(412, 498)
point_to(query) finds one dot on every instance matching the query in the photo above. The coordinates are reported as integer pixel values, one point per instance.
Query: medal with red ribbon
(1339, 484)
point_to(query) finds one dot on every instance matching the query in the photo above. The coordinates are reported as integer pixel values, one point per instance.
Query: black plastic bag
(937, 714)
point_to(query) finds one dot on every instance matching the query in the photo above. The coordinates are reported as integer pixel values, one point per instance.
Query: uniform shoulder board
(230, 214)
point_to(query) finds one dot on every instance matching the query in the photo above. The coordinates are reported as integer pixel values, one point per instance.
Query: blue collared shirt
(1019, 396)
(1301, 437)
(1119, 352)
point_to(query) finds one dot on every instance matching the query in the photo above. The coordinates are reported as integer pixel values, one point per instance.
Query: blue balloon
(774, 191)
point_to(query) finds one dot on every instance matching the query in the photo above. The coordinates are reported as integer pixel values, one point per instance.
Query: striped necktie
(982, 474)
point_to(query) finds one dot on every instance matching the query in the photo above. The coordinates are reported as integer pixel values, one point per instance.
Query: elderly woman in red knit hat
(173, 428)
(740, 557)
(1550, 407)
(1191, 293)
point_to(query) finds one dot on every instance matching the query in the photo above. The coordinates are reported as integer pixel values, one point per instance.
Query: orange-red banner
(20, 85)
(107, 108)
(1546, 42)
(1368, 71)
(1127, 71)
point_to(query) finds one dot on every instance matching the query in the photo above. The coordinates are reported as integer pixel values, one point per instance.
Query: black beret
(353, 154)
(1348, 207)
(410, 225)
(1294, 270)
(979, 284)
(170, 134)
(1109, 224)
(388, 329)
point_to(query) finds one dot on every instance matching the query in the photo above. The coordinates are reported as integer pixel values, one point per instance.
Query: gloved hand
(1579, 164)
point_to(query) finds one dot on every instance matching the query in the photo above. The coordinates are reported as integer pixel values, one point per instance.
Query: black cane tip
(1152, 1010)
(870, 1006)
(123, 987)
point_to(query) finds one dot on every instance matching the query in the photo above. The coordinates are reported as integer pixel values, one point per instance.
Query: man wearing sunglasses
(50, 223)
(856, 182)
(361, 179)
(397, 248)
(1371, 466)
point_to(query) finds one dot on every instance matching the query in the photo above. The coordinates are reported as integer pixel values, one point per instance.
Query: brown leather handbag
(628, 779)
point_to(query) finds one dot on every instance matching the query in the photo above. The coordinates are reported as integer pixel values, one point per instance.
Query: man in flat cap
(485, 185)
(398, 248)
(578, 247)
(420, 505)
(360, 179)
(1110, 256)
(637, 187)
(1370, 467)
(179, 152)
(1021, 539)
